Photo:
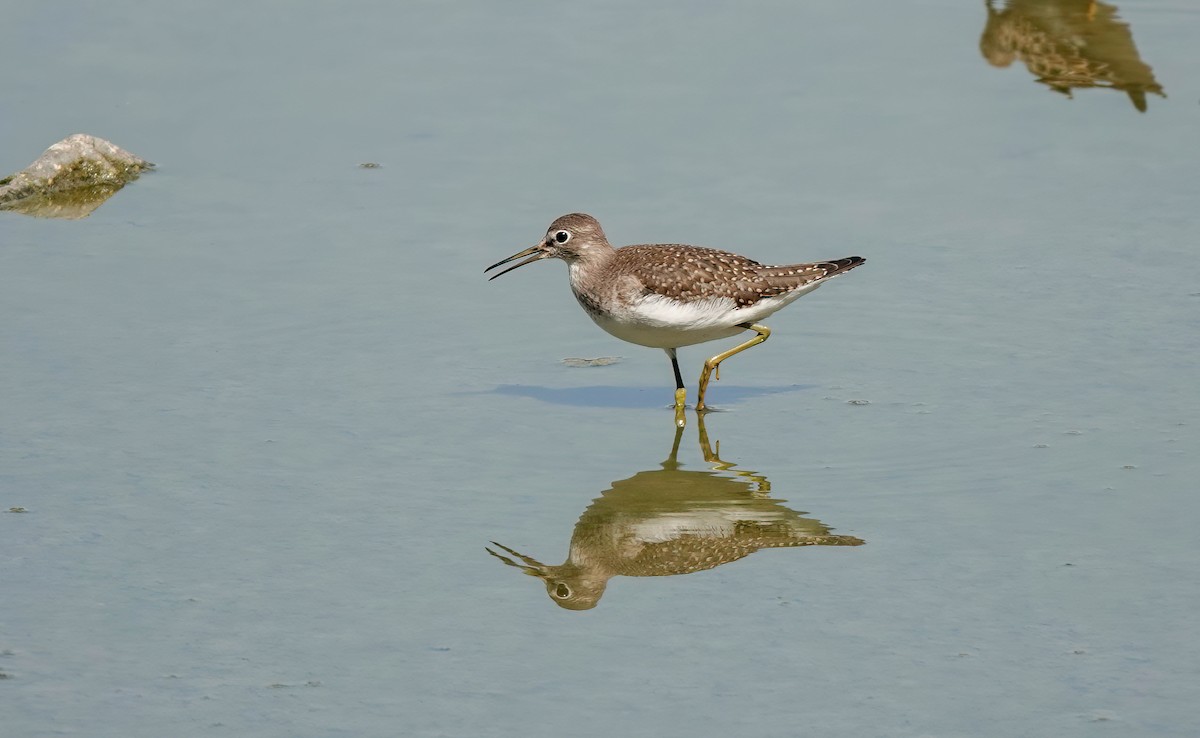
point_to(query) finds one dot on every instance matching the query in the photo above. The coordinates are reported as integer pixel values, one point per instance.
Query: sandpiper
(671, 295)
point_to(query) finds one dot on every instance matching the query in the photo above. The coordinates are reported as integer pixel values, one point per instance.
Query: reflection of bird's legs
(713, 365)
(672, 461)
(706, 450)
(705, 447)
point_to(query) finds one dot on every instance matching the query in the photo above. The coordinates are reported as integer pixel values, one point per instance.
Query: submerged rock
(71, 178)
(599, 361)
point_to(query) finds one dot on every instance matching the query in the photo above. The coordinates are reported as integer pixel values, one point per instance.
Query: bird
(1068, 45)
(672, 295)
(668, 521)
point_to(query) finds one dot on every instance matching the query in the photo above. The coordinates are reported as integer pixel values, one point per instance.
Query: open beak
(532, 567)
(535, 253)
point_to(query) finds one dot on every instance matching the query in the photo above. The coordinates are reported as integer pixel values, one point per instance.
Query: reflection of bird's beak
(532, 567)
(538, 253)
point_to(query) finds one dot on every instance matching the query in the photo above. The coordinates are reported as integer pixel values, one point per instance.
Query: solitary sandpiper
(671, 295)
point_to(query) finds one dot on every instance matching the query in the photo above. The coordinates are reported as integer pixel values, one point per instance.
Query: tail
(799, 275)
(837, 266)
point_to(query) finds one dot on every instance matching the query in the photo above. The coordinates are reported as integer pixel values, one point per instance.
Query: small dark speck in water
(4, 675)
(1041, 445)
(1129, 466)
(1068, 564)
(369, 165)
(598, 361)
(1079, 652)
(858, 402)
(17, 510)
(440, 649)
(1073, 433)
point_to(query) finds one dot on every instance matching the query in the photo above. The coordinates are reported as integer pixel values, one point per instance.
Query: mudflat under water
(263, 416)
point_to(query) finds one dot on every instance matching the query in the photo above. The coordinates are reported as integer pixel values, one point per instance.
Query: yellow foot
(680, 406)
(710, 371)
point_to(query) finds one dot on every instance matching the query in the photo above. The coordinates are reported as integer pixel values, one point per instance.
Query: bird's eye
(562, 591)
(562, 236)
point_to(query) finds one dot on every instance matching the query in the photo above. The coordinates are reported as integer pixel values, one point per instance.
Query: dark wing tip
(837, 266)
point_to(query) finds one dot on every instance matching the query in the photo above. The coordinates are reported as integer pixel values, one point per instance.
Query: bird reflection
(1068, 44)
(668, 521)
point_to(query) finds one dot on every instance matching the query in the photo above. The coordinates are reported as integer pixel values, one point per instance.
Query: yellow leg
(680, 392)
(712, 366)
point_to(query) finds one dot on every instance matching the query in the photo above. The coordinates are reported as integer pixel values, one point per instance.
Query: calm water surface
(264, 416)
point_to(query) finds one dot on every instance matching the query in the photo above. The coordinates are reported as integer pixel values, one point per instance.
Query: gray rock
(71, 178)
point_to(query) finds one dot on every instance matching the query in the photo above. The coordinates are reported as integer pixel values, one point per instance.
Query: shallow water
(264, 413)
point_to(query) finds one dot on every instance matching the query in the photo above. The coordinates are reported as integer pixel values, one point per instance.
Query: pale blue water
(264, 412)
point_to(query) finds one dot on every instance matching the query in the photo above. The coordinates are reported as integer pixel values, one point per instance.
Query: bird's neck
(587, 269)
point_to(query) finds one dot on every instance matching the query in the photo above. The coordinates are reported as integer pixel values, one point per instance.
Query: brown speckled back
(690, 273)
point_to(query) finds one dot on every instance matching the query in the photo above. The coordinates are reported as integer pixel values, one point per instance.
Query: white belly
(660, 322)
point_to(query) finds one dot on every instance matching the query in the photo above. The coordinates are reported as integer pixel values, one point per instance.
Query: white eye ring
(562, 236)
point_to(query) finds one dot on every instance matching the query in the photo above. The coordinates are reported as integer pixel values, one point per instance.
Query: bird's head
(570, 238)
(567, 585)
